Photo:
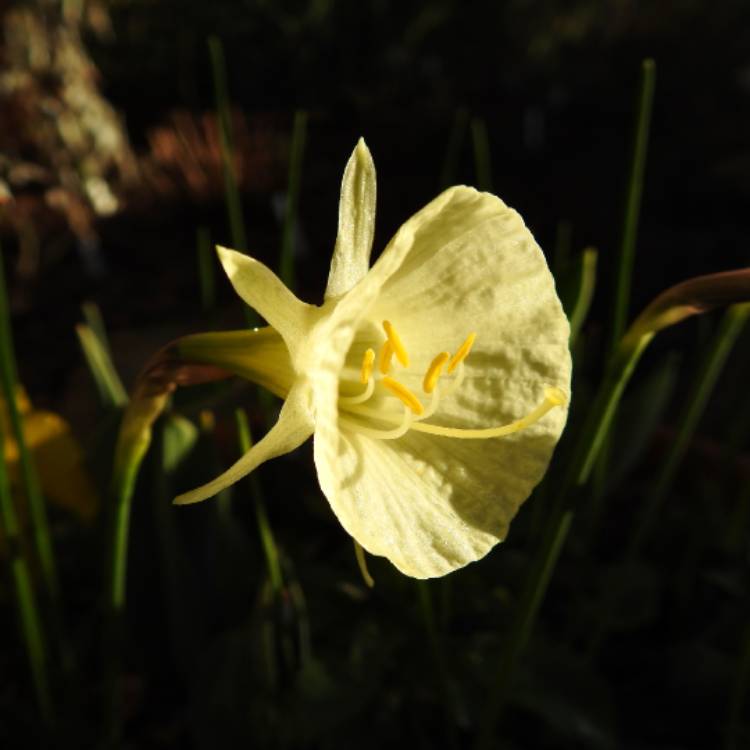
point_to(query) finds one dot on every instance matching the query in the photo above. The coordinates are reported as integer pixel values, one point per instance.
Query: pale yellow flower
(429, 380)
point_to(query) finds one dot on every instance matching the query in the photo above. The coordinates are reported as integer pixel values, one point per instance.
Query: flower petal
(351, 257)
(293, 427)
(430, 505)
(262, 289)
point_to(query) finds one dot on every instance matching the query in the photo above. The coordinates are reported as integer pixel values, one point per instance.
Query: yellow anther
(433, 372)
(386, 352)
(366, 371)
(462, 353)
(400, 391)
(398, 347)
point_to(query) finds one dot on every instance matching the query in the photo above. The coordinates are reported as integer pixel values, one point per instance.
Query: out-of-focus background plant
(134, 134)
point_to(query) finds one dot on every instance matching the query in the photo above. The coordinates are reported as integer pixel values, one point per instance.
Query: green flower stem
(93, 317)
(28, 612)
(38, 510)
(482, 158)
(132, 444)
(296, 155)
(150, 397)
(226, 143)
(703, 384)
(633, 200)
(264, 527)
(586, 284)
(602, 413)
(629, 234)
(228, 157)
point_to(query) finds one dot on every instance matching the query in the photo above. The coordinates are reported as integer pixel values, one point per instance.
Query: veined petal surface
(428, 504)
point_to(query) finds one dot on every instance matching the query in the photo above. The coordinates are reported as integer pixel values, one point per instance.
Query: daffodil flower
(435, 382)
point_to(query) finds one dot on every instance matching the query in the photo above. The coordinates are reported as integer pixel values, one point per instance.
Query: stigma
(387, 409)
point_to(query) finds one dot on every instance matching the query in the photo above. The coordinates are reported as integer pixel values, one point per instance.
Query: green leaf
(626, 255)
(112, 394)
(642, 410)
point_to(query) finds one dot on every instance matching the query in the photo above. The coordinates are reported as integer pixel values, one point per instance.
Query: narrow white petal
(351, 257)
(262, 289)
(293, 427)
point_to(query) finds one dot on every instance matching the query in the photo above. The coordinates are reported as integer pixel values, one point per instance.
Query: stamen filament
(432, 406)
(386, 352)
(552, 397)
(462, 353)
(362, 563)
(398, 347)
(362, 397)
(366, 371)
(367, 411)
(456, 383)
(402, 429)
(400, 391)
(433, 372)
